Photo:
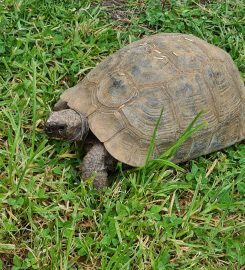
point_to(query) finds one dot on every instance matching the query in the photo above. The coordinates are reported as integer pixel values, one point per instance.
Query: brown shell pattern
(182, 74)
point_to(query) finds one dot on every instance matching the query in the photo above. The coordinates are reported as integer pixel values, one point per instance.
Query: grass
(48, 218)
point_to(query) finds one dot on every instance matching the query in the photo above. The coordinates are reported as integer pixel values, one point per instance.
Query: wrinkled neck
(83, 130)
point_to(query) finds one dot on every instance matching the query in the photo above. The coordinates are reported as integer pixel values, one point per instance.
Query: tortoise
(114, 109)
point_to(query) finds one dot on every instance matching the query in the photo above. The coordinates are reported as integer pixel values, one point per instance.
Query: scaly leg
(97, 162)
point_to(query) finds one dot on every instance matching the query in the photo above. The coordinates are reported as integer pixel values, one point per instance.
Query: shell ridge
(167, 54)
(212, 99)
(173, 108)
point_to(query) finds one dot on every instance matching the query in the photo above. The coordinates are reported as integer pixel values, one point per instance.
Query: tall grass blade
(162, 162)
(152, 144)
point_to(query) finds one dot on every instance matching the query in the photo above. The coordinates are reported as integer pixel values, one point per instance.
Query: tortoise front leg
(97, 162)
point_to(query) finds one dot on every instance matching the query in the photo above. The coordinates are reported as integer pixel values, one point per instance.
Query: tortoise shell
(123, 96)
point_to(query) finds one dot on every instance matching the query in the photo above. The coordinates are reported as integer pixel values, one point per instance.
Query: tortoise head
(67, 124)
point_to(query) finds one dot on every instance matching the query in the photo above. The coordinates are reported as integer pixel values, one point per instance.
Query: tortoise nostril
(48, 128)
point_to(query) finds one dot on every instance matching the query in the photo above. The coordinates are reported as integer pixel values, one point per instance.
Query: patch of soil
(109, 3)
(117, 9)
(184, 200)
(205, 2)
(7, 260)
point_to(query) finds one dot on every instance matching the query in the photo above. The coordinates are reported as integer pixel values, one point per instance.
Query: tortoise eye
(61, 127)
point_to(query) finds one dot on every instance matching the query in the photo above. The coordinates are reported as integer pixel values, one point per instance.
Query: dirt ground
(116, 8)
(113, 2)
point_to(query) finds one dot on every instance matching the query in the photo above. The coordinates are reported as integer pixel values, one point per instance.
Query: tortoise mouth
(55, 130)
(63, 132)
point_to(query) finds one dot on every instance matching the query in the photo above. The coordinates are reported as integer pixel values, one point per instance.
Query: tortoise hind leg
(97, 162)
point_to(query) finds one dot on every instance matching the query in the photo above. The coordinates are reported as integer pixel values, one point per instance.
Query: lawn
(49, 218)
